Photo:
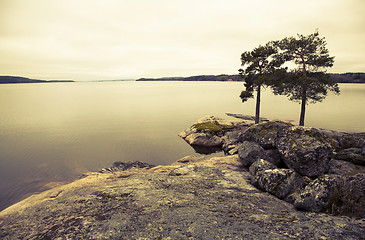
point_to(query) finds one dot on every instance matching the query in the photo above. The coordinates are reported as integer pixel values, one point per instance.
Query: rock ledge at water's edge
(314, 169)
(195, 198)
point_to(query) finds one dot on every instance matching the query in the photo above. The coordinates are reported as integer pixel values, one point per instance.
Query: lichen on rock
(320, 194)
(279, 182)
(265, 134)
(250, 152)
(303, 150)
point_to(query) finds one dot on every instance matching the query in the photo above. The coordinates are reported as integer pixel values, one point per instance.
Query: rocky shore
(272, 171)
(314, 169)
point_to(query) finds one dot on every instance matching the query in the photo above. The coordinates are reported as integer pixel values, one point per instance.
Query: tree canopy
(307, 82)
(259, 67)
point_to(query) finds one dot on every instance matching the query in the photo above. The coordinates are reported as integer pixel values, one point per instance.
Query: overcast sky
(128, 39)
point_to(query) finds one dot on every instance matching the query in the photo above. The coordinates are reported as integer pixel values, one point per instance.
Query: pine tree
(308, 82)
(259, 67)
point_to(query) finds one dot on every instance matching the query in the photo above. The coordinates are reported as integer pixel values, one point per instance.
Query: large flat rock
(195, 198)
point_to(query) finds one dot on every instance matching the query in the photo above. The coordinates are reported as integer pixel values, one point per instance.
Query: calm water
(52, 133)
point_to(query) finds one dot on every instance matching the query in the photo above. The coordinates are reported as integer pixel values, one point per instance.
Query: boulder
(321, 194)
(353, 155)
(274, 156)
(278, 182)
(351, 140)
(203, 139)
(230, 142)
(304, 150)
(208, 131)
(341, 167)
(332, 137)
(260, 165)
(250, 152)
(343, 195)
(293, 195)
(343, 140)
(264, 134)
(352, 197)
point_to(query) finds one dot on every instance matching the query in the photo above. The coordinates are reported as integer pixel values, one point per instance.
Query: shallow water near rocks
(52, 133)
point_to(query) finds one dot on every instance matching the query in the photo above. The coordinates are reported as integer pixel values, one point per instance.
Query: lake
(51, 133)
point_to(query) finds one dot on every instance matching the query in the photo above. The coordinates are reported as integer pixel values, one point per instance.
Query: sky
(129, 39)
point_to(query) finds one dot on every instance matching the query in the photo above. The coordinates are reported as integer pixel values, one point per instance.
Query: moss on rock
(208, 127)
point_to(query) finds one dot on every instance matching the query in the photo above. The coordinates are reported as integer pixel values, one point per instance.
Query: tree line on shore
(337, 77)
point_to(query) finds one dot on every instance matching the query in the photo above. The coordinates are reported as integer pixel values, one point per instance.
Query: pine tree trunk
(302, 110)
(304, 94)
(258, 100)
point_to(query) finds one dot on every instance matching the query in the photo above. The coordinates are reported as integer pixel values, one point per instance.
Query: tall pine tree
(308, 82)
(259, 67)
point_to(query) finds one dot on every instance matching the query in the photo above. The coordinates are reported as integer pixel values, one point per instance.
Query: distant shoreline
(13, 79)
(337, 77)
